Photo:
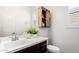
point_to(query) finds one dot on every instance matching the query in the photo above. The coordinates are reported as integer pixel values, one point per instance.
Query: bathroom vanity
(37, 48)
(23, 45)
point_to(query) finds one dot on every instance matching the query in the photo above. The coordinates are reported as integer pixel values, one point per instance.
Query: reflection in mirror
(14, 19)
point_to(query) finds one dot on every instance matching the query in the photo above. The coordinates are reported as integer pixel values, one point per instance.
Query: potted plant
(32, 32)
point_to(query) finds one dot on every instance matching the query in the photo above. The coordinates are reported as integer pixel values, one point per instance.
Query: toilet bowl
(53, 49)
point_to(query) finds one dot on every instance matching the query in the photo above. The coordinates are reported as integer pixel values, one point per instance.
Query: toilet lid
(50, 47)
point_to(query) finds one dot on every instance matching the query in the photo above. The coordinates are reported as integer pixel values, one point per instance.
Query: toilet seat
(53, 49)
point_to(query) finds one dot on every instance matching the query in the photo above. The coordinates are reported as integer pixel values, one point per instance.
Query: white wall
(58, 28)
(62, 36)
(14, 19)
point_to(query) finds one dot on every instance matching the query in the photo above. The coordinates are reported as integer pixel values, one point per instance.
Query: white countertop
(30, 42)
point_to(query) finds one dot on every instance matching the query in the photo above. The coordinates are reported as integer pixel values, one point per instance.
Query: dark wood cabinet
(38, 48)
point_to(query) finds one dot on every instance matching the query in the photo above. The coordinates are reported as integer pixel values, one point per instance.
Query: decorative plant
(32, 31)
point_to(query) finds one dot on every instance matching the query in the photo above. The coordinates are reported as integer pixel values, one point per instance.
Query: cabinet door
(43, 46)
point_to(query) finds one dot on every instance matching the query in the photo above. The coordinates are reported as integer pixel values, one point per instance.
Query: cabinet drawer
(44, 42)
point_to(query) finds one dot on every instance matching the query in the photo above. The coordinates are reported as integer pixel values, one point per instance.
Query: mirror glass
(14, 19)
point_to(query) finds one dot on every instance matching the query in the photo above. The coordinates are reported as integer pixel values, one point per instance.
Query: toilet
(53, 49)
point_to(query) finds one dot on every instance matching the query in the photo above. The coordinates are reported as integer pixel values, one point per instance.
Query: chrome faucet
(14, 36)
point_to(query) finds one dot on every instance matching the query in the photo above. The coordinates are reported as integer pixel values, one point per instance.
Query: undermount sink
(13, 44)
